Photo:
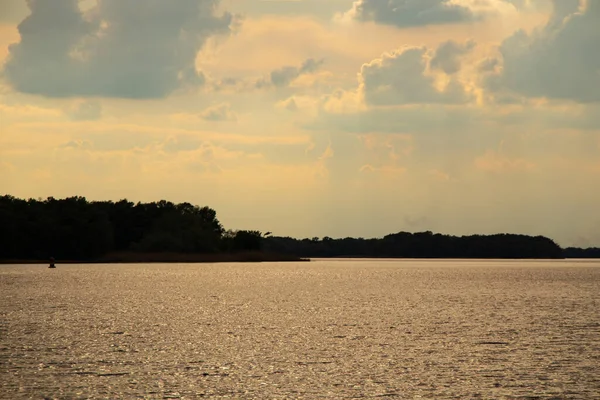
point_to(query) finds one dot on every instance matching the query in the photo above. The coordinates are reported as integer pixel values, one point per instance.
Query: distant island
(77, 230)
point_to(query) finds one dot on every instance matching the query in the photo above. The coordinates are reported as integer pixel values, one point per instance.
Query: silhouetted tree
(247, 241)
(74, 228)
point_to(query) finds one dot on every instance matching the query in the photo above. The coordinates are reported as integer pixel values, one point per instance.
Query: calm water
(327, 329)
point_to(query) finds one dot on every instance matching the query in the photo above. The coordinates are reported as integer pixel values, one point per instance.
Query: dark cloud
(487, 64)
(119, 48)
(561, 9)
(282, 77)
(409, 13)
(448, 54)
(12, 11)
(561, 60)
(400, 78)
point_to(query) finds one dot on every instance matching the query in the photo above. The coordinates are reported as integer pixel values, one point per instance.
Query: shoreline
(246, 257)
(146, 258)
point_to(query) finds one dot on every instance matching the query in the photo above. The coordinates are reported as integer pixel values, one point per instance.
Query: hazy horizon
(310, 118)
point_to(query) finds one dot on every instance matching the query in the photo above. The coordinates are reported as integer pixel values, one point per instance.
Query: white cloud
(118, 48)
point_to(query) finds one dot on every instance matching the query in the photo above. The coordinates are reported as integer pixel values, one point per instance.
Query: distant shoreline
(146, 258)
(248, 257)
(75, 230)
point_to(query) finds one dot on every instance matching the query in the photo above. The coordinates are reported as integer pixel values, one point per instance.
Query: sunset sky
(312, 117)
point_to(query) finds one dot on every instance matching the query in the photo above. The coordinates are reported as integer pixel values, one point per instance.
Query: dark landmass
(77, 230)
(83, 231)
(575, 252)
(421, 245)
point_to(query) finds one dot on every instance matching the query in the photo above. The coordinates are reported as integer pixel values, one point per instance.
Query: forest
(422, 245)
(77, 229)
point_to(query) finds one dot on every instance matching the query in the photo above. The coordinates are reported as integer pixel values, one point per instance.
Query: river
(326, 329)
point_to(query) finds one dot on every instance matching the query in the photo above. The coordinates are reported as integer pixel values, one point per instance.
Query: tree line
(576, 252)
(421, 245)
(77, 229)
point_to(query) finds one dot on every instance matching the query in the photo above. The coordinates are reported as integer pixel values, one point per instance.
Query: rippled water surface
(326, 329)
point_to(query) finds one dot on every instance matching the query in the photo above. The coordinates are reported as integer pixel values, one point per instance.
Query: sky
(312, 117)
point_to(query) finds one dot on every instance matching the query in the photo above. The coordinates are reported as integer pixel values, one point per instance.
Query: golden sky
(312, 117)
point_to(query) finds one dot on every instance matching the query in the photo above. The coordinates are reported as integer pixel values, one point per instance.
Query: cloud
(181, 143)
(447, 56)
(400, 77)
(495, 162)
(76, 144)
(86, 110)
(282, 77)
(384, 169)
(425, 120)
(411, 13)
(307, 105)
(488, 64)
(228, 83)
(288, 104)
(220, 112)
(560, 60)
(12, 11)
(118, 48)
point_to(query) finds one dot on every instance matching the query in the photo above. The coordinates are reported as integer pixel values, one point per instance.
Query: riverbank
(131, 257)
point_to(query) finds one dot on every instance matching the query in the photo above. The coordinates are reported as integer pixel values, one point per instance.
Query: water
(327, 329)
